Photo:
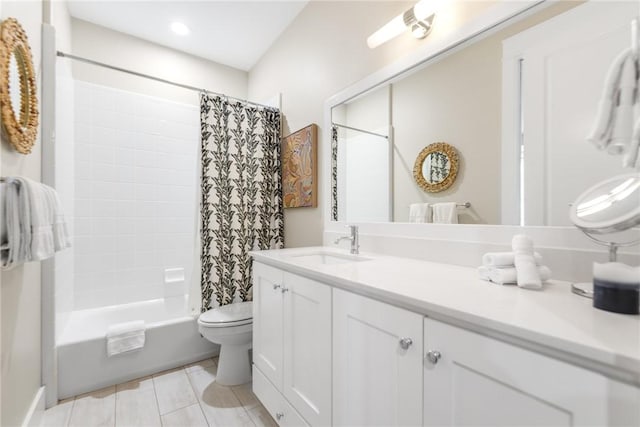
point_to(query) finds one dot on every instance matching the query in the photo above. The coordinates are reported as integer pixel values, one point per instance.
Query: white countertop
(553, 320)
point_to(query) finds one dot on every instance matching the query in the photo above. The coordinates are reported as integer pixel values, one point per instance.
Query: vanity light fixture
(179, 28)
(418, 20)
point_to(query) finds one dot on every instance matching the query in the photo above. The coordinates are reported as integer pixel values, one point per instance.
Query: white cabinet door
(481, 381)
(375, 380)
(307, 348)
(267, 322)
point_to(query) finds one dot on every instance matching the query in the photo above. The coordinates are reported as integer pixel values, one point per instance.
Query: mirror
(18, 97)
(610, 206)
(508, 100)
(436, 167)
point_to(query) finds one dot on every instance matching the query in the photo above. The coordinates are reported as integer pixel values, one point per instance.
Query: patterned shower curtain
(241, 204)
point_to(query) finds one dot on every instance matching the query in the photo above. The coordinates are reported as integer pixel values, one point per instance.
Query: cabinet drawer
(274, 402)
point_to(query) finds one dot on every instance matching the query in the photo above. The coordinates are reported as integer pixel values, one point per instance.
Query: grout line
(115, 405)
(243, 406)
(206, 420)
(155, 395)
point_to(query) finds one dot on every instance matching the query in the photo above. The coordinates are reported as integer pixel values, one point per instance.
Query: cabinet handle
(284, 289)
(433, 356)
(405, 343)
(275, 286)
(279, 415)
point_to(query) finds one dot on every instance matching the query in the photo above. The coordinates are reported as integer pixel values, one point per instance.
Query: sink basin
(328, 258)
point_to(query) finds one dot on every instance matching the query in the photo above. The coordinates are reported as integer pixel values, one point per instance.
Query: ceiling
(234, 33)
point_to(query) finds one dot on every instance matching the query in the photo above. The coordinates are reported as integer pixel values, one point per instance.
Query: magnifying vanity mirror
(18, 93)
(508, 101)
(609, 207)
(436, 167)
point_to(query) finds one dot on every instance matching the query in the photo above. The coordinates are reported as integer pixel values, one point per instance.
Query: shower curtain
(241, 195)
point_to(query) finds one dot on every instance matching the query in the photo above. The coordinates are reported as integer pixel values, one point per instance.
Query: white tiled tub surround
(135, 194)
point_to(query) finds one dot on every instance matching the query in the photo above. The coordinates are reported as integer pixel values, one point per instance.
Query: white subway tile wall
(136, 170)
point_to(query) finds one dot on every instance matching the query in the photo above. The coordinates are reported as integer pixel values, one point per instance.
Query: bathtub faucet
(352, 237)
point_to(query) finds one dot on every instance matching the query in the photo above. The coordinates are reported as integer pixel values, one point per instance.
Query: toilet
(230, 326)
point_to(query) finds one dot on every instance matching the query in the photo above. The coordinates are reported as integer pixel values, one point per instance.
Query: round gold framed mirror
(18, 92)
(436, 167)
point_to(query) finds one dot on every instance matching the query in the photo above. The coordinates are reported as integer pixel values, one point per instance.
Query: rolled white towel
(484, 273)
(528, 276)
(125, 337)
(420, 212)
(506, 276)
(505, 259)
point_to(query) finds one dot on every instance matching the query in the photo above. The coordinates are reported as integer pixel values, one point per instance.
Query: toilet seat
(236, 314)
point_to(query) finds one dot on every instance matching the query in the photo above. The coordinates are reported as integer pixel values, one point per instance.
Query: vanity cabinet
(377, 363)
(326, 356)
(470, 379)
(292, 345)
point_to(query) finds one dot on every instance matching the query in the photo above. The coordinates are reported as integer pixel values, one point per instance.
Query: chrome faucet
(352, 237)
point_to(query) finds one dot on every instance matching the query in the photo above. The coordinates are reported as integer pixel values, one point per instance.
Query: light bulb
(179, 28)
(392, 29)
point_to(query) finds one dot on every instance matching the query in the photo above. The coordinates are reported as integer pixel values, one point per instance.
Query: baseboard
(36, 410)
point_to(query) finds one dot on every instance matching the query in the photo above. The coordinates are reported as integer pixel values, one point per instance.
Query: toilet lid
(236, 313)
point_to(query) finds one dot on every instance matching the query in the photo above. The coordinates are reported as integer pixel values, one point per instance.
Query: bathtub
(172, 340)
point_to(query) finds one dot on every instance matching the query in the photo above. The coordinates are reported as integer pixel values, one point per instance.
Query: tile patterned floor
(187, 396)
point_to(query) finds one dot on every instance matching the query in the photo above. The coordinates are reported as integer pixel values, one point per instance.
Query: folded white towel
(125, 337)
(420, 212)
(527, 273)
(508, 276)
(445, 213)
(504, 259)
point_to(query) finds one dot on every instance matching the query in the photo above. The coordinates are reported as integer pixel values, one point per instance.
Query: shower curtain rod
(158, 79)
(360, 130)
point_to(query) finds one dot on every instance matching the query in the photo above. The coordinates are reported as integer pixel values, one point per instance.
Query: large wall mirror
(517, 104)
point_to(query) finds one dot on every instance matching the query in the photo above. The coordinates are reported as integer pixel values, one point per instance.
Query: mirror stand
(613, 246)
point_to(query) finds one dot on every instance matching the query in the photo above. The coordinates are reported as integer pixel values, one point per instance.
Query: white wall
(323, 51)
(121, 50)
(135, 194)
(20, 287)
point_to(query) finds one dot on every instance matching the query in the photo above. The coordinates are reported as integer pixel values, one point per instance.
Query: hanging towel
(445, 213)
(420, 212)
(125, 337)
(61, 236)
(42, 246)
(504, 259)
(16, 224)
(508, 276)
(614, 129)
(33, 226)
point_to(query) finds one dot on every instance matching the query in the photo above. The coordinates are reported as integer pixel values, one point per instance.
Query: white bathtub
(172, 339)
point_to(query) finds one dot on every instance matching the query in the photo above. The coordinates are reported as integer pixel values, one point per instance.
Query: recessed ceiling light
(179, 28)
